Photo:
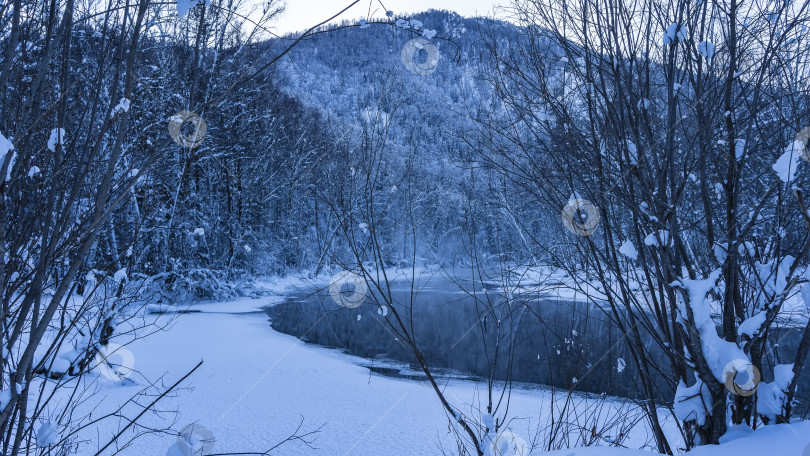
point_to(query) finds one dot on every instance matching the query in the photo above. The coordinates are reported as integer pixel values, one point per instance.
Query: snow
(750, 326)
(788, 162)
(507, 443)
(773, 275)
(783, 375)
(633, 151)
(706, 49)
(628, 249)
(739, 149)
(122, 106)
(33, 171)
(194, 439)
(719, 354)
(657, 239)
(120, 275)
(246, 365)
(690, 401)
(771, 396)
(255, 385)
(674, 33)
(199, 231)
(718, 190)
(721, 252)
(60, 365)
(428, 34)
(621, 364)
(47, 434)
(57, 137)
(5, 397)
(5, 147)
(747, 247)
(781, 439)
(179, 449)
(770, 400)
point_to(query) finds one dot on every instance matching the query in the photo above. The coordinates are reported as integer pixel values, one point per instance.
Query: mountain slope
(357, 77)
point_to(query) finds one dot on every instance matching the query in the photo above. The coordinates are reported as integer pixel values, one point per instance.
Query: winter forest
(563, 227)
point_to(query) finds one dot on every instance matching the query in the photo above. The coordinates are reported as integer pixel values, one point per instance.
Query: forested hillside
(258, 194)
(414, 126)
(618, 187)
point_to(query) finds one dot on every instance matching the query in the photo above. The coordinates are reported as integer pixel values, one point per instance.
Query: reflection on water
(564, 344)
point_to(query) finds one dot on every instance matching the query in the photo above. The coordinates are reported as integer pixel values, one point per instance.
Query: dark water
(538, 341)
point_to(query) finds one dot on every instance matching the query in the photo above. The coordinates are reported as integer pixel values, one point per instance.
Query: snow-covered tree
(664, 132)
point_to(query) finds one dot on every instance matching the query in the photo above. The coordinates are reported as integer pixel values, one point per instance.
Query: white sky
(302, 14)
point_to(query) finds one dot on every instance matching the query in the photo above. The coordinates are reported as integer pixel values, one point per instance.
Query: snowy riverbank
(256, 385)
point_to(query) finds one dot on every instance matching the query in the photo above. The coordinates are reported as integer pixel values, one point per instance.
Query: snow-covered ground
(779, 440)
(557, 284)
(256, 385)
